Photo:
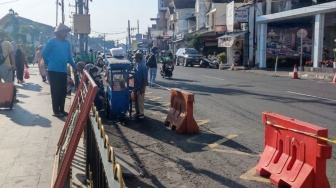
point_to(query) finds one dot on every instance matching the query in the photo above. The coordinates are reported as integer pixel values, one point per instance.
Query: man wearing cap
(6, 68)
(56, 55)
(140, 83)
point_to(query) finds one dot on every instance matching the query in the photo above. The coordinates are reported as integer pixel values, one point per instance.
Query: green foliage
(195, 42)
(100, 40)
(222, 57)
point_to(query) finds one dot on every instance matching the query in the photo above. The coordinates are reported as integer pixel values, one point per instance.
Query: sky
(107, 16)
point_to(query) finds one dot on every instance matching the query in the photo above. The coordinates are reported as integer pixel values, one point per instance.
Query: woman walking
(21, 62)
(39, 60)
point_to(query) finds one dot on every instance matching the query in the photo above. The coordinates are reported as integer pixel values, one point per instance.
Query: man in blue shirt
(140, 83)
(56, 55)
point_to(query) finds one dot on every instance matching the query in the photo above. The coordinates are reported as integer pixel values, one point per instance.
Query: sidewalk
(28, 136)
(288, 73)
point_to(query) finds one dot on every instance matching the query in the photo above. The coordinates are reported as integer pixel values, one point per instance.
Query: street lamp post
(32, 37)
(11, 13)
(14, 20)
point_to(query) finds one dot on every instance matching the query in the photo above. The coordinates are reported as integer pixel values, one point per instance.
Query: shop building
(298, 31)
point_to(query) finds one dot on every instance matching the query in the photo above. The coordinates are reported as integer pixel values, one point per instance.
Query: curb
(313, 76)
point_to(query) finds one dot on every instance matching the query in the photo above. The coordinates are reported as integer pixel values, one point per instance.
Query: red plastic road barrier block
(292, 158)
(181, 116)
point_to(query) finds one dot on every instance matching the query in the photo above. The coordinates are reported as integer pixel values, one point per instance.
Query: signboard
(166, 37)
(301, 33)
(170, 33)
(220, 28)
(179, 36)
(81, 24)
(226, 42)
(155, 34)
(230, 16)
(138, 37)
(241, 15)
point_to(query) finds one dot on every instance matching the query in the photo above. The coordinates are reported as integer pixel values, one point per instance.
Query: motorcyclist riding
(167, 67)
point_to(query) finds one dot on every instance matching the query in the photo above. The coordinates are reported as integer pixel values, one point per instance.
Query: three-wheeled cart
(118, 90)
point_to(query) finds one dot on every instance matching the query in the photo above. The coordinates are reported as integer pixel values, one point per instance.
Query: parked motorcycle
(166, 69)
(205, 62)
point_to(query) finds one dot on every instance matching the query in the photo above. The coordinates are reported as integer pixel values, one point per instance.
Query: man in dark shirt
(152, 64)
(140, 83)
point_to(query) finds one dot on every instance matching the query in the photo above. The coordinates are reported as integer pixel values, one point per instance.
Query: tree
(196, 42)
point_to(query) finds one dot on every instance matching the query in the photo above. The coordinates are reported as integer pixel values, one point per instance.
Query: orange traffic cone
(334, 79)
(295, 74)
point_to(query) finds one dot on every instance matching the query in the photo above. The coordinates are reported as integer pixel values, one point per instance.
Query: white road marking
(212, 77)
(302, 94)
(162, 86)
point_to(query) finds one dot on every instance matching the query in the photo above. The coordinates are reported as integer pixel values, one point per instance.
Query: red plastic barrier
(180, 116)
(292, 158)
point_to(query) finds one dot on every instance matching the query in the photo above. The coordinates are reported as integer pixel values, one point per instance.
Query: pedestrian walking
(7, 59)
(21, 63)
(40, 63)
(140, 83)
(56, 55)
(152, 65)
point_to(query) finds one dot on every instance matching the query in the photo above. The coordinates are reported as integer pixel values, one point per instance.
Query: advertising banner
(230, 16)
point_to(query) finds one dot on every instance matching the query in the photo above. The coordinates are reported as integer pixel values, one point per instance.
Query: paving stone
(21, 181)
(26, 168)
(9, 155)
(46, 172)
(28, 137)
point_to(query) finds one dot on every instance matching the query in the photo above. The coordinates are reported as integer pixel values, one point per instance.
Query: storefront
(178, 42)
(239, 36)
(311, 29)
(235, 42)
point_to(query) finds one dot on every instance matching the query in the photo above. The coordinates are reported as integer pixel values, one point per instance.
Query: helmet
(155, 49)
(141, 51)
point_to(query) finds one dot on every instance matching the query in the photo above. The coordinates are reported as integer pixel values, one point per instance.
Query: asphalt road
(228, 106)
(232, 102)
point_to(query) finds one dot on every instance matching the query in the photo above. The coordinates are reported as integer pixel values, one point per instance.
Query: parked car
(188, 56)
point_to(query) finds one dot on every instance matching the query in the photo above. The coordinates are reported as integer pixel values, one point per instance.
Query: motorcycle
(166, 69)
(205, 62)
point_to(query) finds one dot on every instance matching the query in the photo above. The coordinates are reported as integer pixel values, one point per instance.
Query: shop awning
(232, 35)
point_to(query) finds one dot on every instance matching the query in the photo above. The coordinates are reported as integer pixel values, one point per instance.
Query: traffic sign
(302, 33)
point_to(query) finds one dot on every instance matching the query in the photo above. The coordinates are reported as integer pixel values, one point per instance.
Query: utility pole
(254, 31)
(86, 35)
(81, 36)
(63, 16)
(104, 45)
(126, 44)
(129, 35)
(138, 27)
(56, 12)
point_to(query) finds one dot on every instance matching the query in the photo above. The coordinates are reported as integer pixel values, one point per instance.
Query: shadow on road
(23, 117)
(188, 143)
(29, 86)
